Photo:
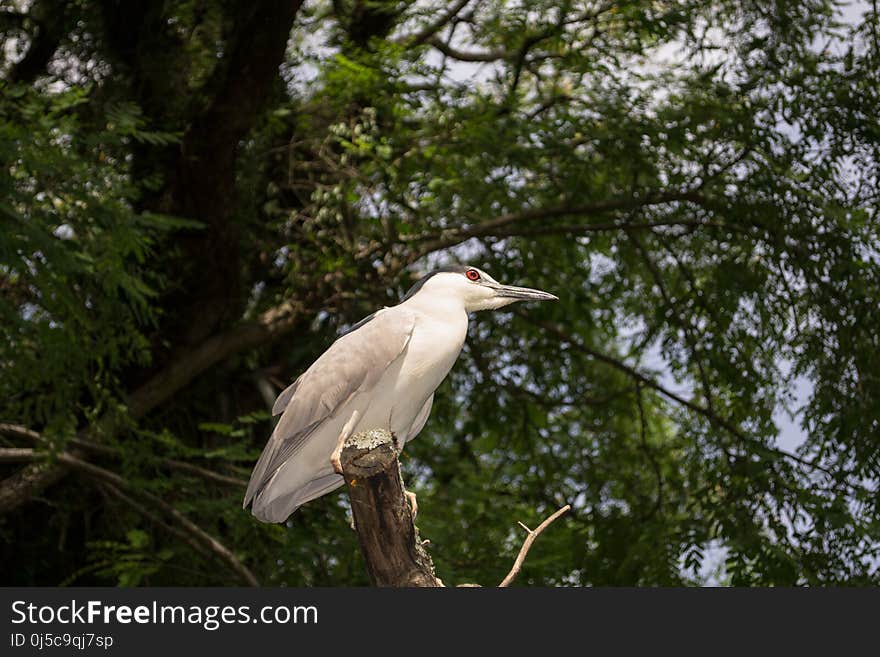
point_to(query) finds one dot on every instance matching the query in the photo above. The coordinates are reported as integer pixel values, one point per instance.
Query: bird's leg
(345, 433)
(413, 503)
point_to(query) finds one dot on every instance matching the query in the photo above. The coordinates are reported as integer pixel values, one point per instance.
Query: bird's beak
(523, 293)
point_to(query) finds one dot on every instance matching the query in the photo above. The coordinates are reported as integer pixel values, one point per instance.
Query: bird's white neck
(441, 306)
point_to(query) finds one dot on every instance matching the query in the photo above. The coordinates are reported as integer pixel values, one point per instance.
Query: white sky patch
(64, 232)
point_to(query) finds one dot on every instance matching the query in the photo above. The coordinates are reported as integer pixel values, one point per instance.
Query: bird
(380, 374)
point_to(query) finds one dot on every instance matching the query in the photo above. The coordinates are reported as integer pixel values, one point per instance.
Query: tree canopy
(197, 197)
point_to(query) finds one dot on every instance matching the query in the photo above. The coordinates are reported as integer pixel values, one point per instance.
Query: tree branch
(582, 229)
(200, 189)
(209, 542)
(152, 517)
(22, 486)
(18, 431)
(16, 454)
(27, 483)
(467, 56)
(527, 545)
(183, 369)
(709, 414)
(114, 452)
(389, 540)
(501, 225)
(195, 535)
(649, 452)
(390, 543)
(422, 36)
(672, 304)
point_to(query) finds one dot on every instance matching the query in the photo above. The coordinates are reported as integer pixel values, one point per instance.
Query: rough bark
(383, 520)
(22, 486)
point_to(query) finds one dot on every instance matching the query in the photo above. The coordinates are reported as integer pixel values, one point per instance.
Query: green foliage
(77, 284)
(126, 564)
(697, 182)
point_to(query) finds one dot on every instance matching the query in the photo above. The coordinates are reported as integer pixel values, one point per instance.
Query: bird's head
(473, 287)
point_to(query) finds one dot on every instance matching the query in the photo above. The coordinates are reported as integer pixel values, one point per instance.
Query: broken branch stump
(383, 521)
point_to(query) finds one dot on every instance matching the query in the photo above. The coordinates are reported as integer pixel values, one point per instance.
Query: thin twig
(713, 417)
(527, 545)
(16, 454)
(503, 225)
(189, 531)
(19, 431)
(468, 56)
(210, 475)
(432, 28)
(673, 304)
(649, 453)
(155, 519)
(199, 534)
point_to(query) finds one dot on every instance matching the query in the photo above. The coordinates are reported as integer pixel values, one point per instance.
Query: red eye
(472, 274)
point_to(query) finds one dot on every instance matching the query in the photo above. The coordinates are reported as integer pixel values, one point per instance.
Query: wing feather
(421, 419)
(285, 397)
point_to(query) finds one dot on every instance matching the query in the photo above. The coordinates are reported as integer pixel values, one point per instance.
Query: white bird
(382, 374)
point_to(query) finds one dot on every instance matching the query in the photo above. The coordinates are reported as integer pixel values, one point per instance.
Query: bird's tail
(273, 504)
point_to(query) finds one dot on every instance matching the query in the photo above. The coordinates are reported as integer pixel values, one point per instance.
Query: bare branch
(24, 485)
(393, 551)
(180, 371)
(468, 56)
(502, 224)
(27, 483)
(431, 29)
(183, 466)
(18, 431)
(195, 535)
(708, 413)
(16, 454)
(144, 511)
(209, 542)
(527, 545)
(114, 452)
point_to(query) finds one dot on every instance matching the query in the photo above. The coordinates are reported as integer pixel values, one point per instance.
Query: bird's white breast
(436, 342)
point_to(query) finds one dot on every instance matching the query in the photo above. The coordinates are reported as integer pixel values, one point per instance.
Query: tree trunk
(382, 517)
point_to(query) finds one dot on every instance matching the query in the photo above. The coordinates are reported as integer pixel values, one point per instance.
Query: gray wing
(287, 394)
(284, 398)
(352, 364)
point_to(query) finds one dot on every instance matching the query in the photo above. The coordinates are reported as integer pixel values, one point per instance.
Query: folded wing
(352, 364)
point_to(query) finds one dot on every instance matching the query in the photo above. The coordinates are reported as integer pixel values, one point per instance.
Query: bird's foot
(413, 502)
(336, 456)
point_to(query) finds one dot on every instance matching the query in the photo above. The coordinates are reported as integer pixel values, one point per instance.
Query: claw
(413, 503)
(336, 456)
